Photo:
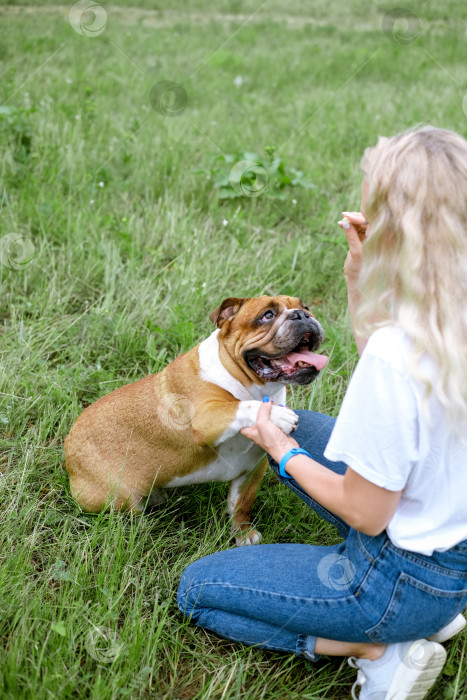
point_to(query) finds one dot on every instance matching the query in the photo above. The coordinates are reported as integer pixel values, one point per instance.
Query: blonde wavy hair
(414, 269)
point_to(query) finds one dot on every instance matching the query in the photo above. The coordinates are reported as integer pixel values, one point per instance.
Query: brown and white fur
(181, 426)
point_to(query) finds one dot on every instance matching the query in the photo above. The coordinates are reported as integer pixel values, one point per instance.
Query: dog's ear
(226, 310)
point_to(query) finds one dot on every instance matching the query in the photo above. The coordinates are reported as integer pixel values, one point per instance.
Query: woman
(392, 476)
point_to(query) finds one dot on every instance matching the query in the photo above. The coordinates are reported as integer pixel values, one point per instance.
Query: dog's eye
(268, 316)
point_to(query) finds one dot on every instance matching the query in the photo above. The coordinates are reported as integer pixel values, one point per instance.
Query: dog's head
(272, 339)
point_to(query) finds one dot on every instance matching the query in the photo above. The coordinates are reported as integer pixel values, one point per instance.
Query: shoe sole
(450, 630)
(414, 678)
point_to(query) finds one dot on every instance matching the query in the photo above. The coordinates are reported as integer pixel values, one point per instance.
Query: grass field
(120, 233)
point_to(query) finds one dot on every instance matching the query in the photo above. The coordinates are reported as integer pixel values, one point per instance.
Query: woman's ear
(226, 310)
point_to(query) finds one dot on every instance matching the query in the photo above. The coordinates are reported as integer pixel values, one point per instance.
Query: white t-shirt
(383, 435)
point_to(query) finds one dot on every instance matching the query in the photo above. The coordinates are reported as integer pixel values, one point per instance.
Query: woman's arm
(360, 503)
(353, 263)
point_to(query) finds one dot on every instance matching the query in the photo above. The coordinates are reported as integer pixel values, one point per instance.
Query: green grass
(118, 287)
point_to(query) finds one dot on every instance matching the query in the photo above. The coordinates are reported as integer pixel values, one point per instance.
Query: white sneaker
(406, 671)
(450, 630)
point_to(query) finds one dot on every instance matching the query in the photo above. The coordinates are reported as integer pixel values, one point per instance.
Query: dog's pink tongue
(311, 358)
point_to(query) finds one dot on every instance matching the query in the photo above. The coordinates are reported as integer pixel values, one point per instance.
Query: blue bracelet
(291, 453)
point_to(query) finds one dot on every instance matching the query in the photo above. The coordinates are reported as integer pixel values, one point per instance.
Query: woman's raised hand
(355, 231)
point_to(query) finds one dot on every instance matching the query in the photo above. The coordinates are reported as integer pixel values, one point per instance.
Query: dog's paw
(284, 418)
(248, 537)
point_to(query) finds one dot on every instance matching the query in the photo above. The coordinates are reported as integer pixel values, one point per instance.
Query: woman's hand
(267, 435)
(356, 234)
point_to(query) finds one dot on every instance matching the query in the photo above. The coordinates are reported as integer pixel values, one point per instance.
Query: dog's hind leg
(93, 497)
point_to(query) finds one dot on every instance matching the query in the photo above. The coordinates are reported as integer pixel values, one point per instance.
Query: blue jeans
(364, 589)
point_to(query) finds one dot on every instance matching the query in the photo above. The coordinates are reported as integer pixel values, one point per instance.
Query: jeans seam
(271, 646)
(301, 644)
(444, 571)
(368, 556)
(286, 596)
(432, 590)
(376, 632)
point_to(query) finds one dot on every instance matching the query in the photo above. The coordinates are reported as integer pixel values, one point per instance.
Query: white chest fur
(236, 455)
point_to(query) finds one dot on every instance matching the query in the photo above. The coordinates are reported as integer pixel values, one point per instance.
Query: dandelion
(238, 82)
(101, 184)
(225, 222)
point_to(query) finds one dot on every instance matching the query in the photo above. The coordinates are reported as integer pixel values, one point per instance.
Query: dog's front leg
(234, 416)
(247, 413)
(241, 497)
(230, 418)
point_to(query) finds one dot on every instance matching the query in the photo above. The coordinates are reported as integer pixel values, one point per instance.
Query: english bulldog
(181, 426)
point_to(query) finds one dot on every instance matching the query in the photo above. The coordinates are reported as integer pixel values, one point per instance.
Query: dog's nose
(299, 315)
